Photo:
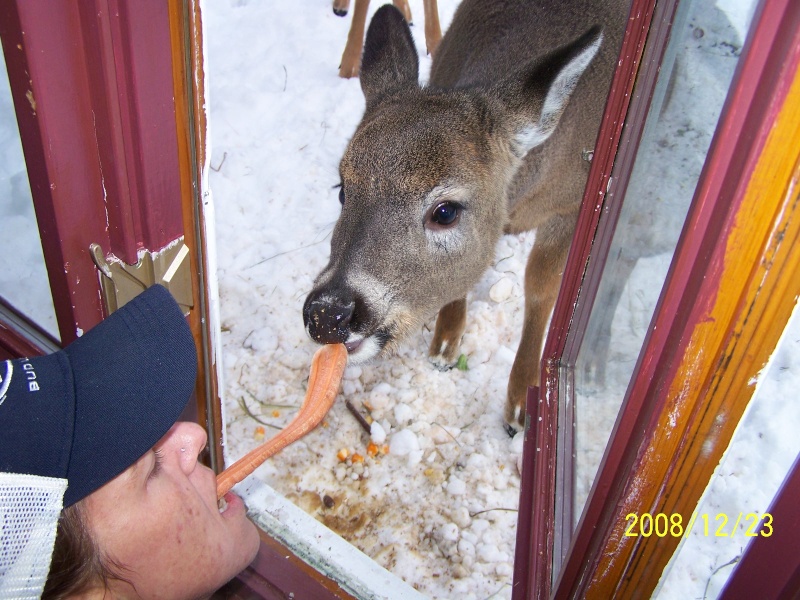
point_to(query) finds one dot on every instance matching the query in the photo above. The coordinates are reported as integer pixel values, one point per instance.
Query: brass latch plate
(121, 282)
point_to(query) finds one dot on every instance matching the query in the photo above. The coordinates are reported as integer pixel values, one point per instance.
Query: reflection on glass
(695, 76)
(23, 277)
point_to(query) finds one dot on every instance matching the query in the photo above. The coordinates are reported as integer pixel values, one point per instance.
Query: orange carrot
(327, 368)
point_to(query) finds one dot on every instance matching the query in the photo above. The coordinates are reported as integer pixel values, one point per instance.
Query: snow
(439, 510)
(377, 433)
(404, 443)
(280, 116)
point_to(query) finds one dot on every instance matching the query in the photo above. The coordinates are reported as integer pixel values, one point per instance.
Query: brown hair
(77, 566)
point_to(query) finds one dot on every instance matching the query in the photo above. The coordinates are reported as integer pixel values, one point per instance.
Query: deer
(495, 143)
(351, 56)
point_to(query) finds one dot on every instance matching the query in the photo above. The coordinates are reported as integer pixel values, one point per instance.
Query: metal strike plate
(121, 282)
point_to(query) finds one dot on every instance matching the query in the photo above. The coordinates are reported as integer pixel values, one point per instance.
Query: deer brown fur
(434, 176)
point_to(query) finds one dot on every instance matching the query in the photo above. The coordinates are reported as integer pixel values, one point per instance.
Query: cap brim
(133, 375)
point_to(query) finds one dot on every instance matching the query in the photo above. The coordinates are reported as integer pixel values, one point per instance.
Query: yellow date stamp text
(664, 525)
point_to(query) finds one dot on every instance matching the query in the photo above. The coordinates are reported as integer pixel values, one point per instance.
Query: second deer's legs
(433, 30)
(351, 57)
(403, 7)
(340, 7)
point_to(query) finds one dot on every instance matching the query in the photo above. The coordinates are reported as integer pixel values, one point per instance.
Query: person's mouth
(228, 502)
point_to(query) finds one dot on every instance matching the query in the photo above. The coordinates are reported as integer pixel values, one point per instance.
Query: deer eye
(445, 214)
(341, 195)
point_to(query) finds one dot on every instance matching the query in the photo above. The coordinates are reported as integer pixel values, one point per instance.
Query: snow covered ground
(439, 509)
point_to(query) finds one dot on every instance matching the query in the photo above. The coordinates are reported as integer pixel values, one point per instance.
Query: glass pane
(705, 45)
(23, 277)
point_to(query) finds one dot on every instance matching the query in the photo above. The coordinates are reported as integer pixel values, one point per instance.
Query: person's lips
(229, 504)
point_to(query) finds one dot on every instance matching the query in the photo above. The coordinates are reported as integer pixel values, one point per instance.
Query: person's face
(159, 520)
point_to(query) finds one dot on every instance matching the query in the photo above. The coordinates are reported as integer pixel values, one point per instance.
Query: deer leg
(340, 7)
(542, 280)
(403, 7)
(351, 57)
(446, 342)
(433, 30)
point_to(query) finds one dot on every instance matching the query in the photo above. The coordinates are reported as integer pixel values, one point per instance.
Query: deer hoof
(441, 363)
(511, 430)
(348, 71)
(514, 417)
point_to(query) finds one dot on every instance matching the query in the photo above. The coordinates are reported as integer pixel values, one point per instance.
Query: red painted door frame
(93, 95)
(109, 102)
(536, 524)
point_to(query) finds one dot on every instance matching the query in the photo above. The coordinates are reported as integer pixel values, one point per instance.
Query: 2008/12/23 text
(663, 525)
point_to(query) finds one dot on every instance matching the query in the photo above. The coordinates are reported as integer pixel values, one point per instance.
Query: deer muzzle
(327, 318)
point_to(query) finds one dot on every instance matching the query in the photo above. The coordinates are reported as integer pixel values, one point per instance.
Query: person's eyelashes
(158, 453)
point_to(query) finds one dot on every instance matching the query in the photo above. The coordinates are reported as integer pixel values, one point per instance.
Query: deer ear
(390, 59)
(544, 88)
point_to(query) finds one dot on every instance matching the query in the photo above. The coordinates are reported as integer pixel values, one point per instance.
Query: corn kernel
(372, 449)
(259, 432)
(342, 454)
(357, 458)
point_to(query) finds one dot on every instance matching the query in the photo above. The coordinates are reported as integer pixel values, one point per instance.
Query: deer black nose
(328, 319)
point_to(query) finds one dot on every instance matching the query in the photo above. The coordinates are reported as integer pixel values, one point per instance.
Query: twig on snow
(222, 162)
(359, 417)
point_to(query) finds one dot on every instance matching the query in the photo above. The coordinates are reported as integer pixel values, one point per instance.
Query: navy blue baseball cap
(89, 411)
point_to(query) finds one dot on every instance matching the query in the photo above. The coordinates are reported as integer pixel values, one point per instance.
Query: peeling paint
(102, 176)
(141, 253)
(31, 100)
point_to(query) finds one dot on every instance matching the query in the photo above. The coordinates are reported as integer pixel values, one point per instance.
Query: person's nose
(187, 440)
